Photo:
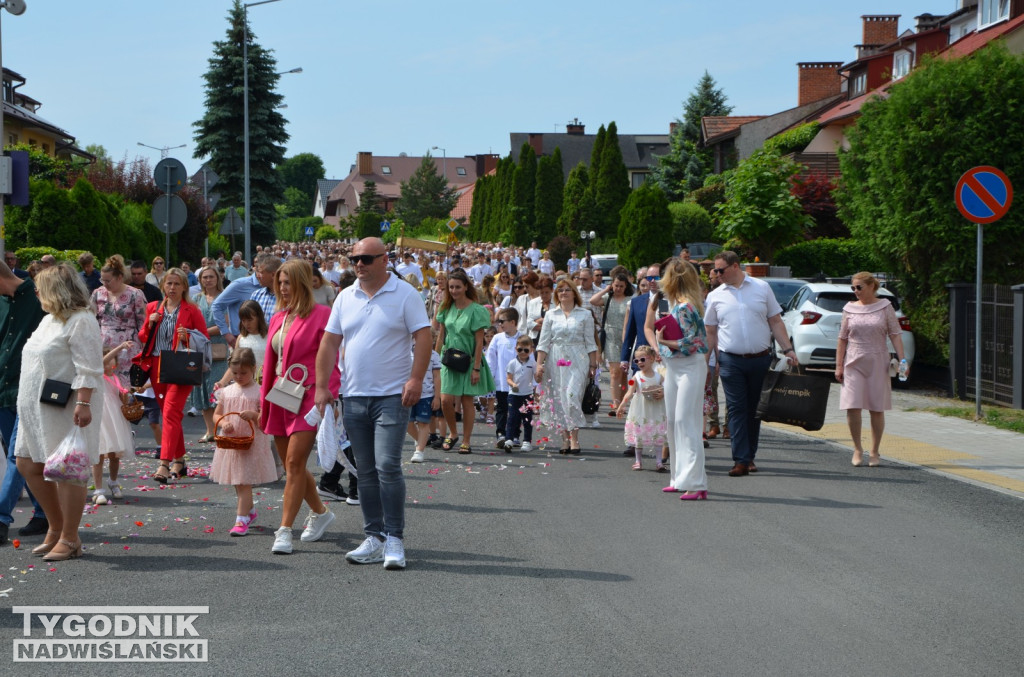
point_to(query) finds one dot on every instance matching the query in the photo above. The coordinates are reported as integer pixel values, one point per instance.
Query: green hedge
(27, 255)
(831, 257)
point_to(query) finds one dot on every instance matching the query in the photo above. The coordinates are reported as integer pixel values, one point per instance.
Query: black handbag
(794, 399)
(591, 398)
(181, 367)
(138, 375)
(602, 335)
(55, 392)
(456, 360)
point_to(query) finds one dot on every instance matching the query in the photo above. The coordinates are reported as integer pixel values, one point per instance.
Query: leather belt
(748, 356)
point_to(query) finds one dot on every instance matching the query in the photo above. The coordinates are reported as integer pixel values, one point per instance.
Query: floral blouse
(695, 336)
(120, 320)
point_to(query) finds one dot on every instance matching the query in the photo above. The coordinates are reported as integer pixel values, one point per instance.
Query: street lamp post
(588, 238)
(444, 163)
(245, 119)
(15, 7)
(163, 151)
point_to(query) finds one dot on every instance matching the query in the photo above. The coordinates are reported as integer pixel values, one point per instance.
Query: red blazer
(189, 317)
(300, 347)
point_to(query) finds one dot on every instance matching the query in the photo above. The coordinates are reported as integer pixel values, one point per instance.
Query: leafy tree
(688, 162)
(906, 154)
(559, 247)
(610, 183)
(518, 227)
(548, 201)
(596, 150)
(102, 157)
(498, 213)
(481, 196)
(691, 223)
(325, 233)
(219, 134)
(293, 229)
(645, 229)
(367, 225)
(425, 194)
(524, 189)
(302, 171)
(831, 257)
(132, 180)
(296, 203)
(760, 211)
(815, 195)
(577, 203)
(42, 166)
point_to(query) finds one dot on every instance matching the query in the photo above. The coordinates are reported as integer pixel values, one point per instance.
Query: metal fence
(1002, 319)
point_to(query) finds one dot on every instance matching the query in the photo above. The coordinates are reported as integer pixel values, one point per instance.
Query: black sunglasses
(365, 259)
(640, 360)
(856, 287)
(719, 271)
(519, 286)
(522, 350)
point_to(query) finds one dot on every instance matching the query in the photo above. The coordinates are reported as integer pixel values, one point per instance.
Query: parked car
(605, 261)
(699, 251)
(784, 288)
(812, 318)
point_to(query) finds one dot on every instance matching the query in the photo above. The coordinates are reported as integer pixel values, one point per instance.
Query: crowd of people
(382, 344)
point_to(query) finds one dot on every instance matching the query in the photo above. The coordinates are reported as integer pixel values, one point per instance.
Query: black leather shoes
(35, 526)
(739, 470)
(3, 533)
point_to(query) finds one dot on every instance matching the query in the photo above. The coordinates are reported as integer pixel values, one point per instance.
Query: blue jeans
(10, 492)
(376, 427)
(516, 417)
(742, 379)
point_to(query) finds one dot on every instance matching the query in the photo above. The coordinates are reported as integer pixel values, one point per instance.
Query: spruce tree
(548, 202)
(611, 185)
(481, 191)
(369, 199)
(577, 208)
(688, 162)
(219, 134)
(426, 194)
(526, 188)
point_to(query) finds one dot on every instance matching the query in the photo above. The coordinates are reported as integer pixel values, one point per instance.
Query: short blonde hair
(62, 291)
(867, 278)
(180, 274)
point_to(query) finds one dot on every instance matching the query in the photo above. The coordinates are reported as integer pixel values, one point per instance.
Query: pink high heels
(695, 496)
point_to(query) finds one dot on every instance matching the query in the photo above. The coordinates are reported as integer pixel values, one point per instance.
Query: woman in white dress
(566, 361)
(687, 370)
(67, 347)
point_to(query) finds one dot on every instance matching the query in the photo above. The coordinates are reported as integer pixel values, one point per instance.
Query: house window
(46, 148)
(461, 171)
(638, 178)
(991, 11)
(859, 85)
(900, 65)
(12, 139)
(32, 142)
(385, 169)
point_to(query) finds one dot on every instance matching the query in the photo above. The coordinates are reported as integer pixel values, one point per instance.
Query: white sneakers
(115, 489)
(526, 447)
(394, 553)
(282, 541)
(417, 456)
(315, 525)
(371, 551)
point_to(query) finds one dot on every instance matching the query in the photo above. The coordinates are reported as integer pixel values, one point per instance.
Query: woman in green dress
(462, 322)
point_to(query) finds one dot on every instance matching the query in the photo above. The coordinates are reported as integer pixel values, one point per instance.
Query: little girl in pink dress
(647, 421)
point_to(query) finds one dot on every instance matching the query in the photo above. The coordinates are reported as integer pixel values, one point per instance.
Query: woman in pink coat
(295, 333)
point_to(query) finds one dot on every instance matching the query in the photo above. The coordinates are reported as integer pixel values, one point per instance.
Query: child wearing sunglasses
(646, 422)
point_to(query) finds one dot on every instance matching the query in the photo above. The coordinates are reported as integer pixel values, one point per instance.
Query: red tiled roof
(715, 126)
(464, 204)
(978, 39)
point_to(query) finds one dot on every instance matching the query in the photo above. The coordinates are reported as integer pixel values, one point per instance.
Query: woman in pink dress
(862, 362)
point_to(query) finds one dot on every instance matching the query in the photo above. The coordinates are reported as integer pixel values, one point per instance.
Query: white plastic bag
(331, 440)
(69, 462)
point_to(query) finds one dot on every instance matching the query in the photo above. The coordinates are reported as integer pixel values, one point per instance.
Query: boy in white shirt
(519, 376)
(501, 351)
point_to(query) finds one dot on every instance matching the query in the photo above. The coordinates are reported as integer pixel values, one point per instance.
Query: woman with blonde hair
(65, 347)
(862, 362)
(169, 322)
(686, 375)
(566, 361)
(121, 312)
(295, 332)
(157, 270)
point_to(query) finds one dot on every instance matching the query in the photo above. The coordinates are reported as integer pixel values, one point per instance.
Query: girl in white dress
(252, 334)
(115, 433)
(646, 422)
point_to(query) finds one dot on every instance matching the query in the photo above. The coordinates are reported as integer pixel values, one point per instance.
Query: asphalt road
(537, 565)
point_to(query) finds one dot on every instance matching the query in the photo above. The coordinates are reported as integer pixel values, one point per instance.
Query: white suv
(812, 320)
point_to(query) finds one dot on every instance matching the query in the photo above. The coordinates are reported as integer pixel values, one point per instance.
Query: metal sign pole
(167, 240)
(977, 330)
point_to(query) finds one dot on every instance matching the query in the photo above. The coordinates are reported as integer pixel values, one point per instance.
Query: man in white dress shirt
(481, 270)
(534, 254)
(741, 316)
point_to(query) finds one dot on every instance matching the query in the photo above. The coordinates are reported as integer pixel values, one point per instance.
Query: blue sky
(404, 76)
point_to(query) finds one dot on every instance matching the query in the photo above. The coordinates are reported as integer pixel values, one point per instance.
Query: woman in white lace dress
(566, 361)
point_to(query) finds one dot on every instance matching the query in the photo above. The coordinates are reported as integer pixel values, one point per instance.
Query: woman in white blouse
(66, 347)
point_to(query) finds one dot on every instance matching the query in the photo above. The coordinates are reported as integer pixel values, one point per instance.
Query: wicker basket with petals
(133, 409)
(234, 442)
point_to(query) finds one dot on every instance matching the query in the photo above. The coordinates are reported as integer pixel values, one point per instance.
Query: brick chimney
(575, 127)
(880, 29)
(364, 162)
(818, 80)
(537, 142)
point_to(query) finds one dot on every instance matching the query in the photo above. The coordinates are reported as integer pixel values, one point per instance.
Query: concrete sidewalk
(971, 452)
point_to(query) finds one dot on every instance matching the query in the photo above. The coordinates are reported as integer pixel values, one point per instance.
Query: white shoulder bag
(286, 392)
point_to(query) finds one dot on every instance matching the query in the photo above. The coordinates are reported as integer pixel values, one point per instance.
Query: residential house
(323, 191)
(23, 124)
(388, 172)
(638, 150)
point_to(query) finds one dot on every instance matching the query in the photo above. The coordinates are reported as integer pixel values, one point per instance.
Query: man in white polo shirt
(741, 316)
(377, 317)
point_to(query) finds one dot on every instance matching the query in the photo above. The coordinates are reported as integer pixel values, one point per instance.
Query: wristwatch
(787, 351)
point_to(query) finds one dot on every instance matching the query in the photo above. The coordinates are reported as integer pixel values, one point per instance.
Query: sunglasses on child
(522, 350)
(640, 360)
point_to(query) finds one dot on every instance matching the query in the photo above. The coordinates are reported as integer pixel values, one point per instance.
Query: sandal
(638, 466)
(449, 442)
(563, 452)
(205, 439)
(46, 546)
(73, 550)
(180, 472)
(161, 477)
(465, 449)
